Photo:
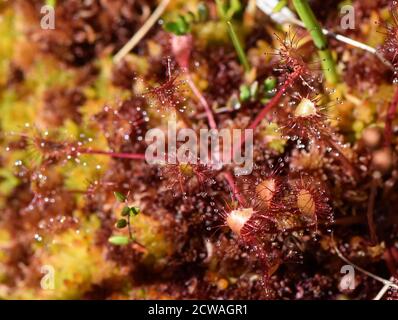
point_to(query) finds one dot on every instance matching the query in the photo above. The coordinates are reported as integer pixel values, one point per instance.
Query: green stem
(307, 16)
(226, 16)
(129, 228)
(238, 47)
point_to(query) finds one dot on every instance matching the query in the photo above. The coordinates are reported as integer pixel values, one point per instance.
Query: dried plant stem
(202, 100)
(392, 110)
(383, 290)
(286, 16)
(369, 274)
(307, 16)
(132, 156)
(141, 32)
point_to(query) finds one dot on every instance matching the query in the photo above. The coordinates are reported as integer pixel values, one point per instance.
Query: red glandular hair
(292, 204)
(307, 121)
(51, 151)
(124, 123)
(311, 202)
(292, 61)
(262, 188)
(60, 104)
(186, 176)
(390, 46)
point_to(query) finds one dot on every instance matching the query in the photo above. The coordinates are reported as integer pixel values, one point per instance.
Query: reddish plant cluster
(232, 237)
(272, 204)
(85, 30)
(390, 46)
(181, 176)
(278, 205)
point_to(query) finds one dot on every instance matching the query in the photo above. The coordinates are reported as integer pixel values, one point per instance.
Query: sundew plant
(304, 93)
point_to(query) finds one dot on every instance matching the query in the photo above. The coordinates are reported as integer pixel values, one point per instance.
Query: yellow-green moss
(7, 41)
(273, 137)
(77, 263)
(149, 233)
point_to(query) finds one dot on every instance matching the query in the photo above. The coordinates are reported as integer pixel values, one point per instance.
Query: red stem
(133, 156)
(231, 181)
(392, 110)
(275, 100)
(213, 125)
(203, 102)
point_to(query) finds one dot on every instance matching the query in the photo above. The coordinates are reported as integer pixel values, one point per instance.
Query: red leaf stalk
(392, 110)
(275, 100)
(203, 102)
(182, 47)
(231, 181)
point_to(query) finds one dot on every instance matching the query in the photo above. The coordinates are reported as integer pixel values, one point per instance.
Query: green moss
(8, 181)
(7, 40)
(77, 263)
(358, 126)
(148, 232)
(211, 32)
(14, 113)
(273, 137)
(46, 74)
(4, 240)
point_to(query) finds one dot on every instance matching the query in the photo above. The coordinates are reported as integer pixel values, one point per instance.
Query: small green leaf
(234, 8)
(120, 197)
(135, 210)
(171, 27)
(179, 27)
(244, 93)
(119, 240)
(270, 83)
(221, 9)
(227, 9)
(125, 211)
(120, 224)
